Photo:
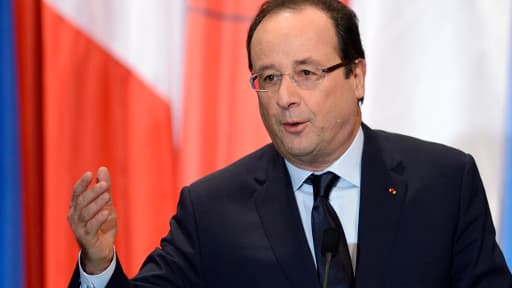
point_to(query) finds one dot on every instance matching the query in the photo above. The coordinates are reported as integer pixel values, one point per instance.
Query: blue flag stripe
(507, 204)
(11, 262)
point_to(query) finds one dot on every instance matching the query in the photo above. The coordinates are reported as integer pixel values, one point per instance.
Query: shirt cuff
(98, 280)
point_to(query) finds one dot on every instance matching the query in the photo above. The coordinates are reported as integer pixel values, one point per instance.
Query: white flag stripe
(437, 70)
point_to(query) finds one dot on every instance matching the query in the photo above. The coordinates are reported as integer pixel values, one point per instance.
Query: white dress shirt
(344, 199)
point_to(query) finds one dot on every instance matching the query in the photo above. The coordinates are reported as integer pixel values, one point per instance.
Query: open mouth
(294, 127)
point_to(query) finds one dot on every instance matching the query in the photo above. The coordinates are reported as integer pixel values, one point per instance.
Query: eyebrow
(265, 68)
(303, 61)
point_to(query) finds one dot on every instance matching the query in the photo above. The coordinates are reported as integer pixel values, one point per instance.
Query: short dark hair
(343, 18)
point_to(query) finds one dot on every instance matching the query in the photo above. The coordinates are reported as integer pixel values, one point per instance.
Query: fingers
(93, 225)
(82, 198)
(85, 199)
(91, 208)
(92, 202)
(81, 185)
(86, 207)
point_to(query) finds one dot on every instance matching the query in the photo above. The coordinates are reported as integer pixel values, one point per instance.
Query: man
(411, 213)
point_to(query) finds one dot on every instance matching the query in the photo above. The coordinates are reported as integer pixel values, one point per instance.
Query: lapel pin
(393, 191)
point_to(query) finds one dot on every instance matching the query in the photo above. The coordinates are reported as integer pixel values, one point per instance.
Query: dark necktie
(323, 218)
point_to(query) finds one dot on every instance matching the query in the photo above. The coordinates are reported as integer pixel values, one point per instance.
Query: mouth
(294, 127)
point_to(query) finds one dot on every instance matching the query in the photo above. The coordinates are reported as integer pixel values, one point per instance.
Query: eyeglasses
(305, 76)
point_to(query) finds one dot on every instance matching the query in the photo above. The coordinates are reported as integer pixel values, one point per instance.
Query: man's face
(311, 128)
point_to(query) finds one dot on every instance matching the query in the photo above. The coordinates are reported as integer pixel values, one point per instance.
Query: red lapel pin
(392, 190)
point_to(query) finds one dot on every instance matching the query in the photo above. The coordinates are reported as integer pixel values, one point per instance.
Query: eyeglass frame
(324, 71)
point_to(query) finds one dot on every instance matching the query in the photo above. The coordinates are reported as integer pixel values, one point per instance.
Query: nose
(288, 94)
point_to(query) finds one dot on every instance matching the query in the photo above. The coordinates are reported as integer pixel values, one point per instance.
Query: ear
(359, 76)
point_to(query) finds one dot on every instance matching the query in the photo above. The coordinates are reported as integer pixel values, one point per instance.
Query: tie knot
(322, 184)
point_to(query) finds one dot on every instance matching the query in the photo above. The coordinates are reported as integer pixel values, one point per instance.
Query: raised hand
(93, 220)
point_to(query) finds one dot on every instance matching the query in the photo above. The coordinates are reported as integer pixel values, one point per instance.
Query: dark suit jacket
(240, 226)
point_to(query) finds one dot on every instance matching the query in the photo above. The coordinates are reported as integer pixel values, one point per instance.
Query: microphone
(329, 249)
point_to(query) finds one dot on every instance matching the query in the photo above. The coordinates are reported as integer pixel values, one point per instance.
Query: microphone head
(330, 241)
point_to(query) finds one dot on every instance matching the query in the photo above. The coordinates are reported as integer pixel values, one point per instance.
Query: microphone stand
(329, 248)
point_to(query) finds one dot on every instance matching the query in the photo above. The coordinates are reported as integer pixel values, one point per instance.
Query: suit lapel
(277, 209)
(383, 194)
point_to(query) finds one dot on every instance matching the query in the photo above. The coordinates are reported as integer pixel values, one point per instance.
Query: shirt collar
(348, 166)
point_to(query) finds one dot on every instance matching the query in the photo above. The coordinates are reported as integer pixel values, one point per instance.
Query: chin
(298, 151)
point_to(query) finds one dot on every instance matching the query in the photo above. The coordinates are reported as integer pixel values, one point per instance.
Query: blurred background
(159, 92)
